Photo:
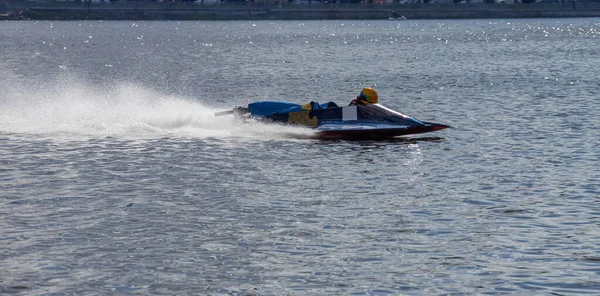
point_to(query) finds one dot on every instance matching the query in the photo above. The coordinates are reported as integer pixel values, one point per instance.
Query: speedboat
(359, 122)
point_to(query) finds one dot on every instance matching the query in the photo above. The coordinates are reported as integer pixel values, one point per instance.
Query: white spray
(70, 107)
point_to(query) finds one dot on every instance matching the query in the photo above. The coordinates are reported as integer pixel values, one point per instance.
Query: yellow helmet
(368, 96)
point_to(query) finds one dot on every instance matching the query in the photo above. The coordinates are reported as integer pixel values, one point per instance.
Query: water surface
(116, 177)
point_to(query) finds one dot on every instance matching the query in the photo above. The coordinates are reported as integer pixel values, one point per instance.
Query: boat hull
(375, 133)
(368, 122)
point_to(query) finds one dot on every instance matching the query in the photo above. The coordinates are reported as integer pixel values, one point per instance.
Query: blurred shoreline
(51, 10)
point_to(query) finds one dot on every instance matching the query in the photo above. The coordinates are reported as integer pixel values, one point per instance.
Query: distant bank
(289, 11)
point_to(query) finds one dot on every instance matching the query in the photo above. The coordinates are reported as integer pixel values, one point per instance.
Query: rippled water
(116, 178)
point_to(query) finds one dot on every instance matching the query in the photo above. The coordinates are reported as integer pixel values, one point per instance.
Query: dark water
(116, 178)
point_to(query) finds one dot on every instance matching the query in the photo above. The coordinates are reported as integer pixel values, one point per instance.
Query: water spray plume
(76, 108)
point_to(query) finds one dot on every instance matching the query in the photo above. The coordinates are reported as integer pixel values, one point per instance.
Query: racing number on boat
(302, 118)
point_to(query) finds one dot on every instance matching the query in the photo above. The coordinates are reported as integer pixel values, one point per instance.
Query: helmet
(368, 96)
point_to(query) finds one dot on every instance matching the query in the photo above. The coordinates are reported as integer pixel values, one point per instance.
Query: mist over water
(117, 178)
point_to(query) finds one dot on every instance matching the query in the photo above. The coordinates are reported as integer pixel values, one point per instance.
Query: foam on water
(71, 107)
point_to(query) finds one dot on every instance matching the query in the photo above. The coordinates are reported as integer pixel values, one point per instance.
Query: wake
(74, 108)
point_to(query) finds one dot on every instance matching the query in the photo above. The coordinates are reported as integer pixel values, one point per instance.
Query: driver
(366, 96)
